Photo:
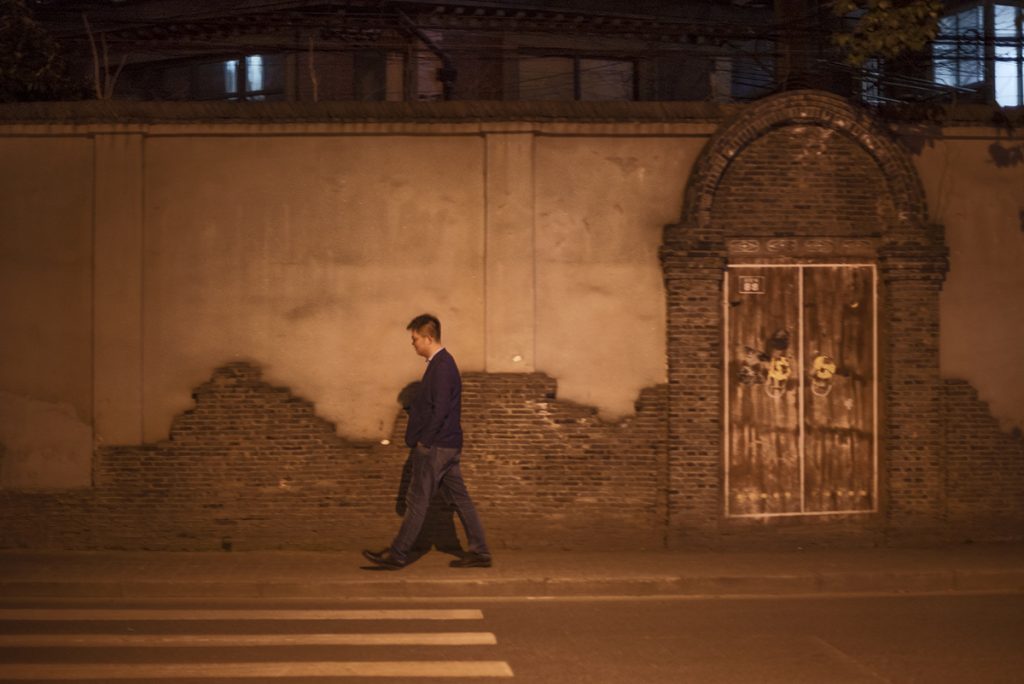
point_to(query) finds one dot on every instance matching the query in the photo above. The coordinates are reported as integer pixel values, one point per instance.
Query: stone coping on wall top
(124, 111)
(130, 111)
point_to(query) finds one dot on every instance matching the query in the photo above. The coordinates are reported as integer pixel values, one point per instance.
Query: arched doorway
(802, 294)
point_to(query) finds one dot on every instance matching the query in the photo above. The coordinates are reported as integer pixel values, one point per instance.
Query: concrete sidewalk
(341, 575)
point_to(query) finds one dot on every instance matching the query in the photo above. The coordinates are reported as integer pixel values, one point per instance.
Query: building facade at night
(788, 321)
(502, 50)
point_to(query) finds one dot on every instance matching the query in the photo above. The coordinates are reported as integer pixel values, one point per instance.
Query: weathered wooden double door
(801, 401)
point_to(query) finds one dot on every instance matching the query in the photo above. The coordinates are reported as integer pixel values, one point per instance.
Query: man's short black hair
(426, 325)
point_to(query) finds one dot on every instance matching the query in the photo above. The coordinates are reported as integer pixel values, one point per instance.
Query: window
(1009, 61)
(253, 78)
(960, 56)
(870, 77)
(753, 71)
(605, 79)
(576, 78)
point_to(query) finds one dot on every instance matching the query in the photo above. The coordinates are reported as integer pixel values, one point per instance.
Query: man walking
(434, 434)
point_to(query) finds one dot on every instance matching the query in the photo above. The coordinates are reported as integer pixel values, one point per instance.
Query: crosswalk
(171, 643)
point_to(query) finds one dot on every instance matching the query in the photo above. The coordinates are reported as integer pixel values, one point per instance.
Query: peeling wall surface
(309, 255)
(974, 180)
(306, 249)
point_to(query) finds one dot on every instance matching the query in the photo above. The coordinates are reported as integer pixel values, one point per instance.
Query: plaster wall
(974, 182)
(46, 213)
(308, 255)
(602, 203)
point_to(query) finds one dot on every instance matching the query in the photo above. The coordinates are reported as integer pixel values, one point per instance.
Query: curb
(945, 581)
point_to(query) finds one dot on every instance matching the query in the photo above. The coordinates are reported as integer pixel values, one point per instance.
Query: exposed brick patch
(39, 520)
(253, 467)
(552, 474)
(984, 469)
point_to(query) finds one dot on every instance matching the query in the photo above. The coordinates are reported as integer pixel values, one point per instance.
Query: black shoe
(383, 559)
(374, 556)
(472, 560)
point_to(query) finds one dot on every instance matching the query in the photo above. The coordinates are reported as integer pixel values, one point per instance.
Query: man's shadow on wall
(439, 526)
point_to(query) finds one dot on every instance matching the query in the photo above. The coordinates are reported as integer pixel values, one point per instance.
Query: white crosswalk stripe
(373, 668)
(28, 632)
(196, 640)
(66, 614)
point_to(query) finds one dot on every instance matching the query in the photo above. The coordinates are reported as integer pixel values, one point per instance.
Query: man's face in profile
(421, 343)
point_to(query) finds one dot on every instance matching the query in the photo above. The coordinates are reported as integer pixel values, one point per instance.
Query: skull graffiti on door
(801, 393)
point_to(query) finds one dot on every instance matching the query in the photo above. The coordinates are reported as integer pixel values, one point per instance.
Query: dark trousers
(436, 469)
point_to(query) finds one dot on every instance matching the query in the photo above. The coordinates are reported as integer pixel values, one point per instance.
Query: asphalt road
(951, 638)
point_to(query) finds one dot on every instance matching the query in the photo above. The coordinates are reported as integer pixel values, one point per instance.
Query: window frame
(576, 60)
(1014, 43)
(986, 53)
(242, 92)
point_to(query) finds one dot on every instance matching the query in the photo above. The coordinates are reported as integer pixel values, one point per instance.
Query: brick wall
(549, 473)
(253, 467)
(803, 179)
(694, 266)
(984, 469)
(809, 165)
(912, 391)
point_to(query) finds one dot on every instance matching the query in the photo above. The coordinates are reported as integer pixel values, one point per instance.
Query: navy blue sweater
(436, 411)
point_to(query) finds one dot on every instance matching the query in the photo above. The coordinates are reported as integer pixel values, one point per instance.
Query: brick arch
(753, 168)
(801, 110)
